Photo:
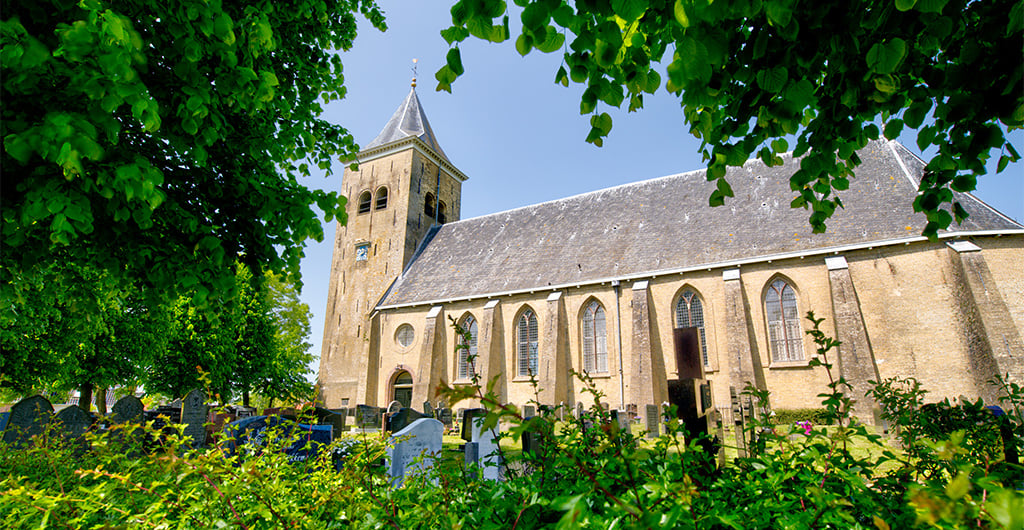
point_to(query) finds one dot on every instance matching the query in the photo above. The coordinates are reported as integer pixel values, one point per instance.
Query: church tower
(404, 188)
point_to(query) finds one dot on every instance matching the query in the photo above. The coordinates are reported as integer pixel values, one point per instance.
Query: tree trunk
(85, 397)
(101, 401)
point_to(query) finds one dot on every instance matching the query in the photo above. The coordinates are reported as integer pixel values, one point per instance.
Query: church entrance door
(403, 389)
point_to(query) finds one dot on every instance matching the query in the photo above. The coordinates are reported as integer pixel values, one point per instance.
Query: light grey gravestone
(28, 418)
(428, 409)
(193, 416)
(75, 420)
(528, 412)
(394, 407)
(414, 449)
(484, 451)
(622, 418)
(127, 409)
(653, 421)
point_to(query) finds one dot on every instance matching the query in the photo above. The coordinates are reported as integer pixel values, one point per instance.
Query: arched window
(690, 314)
(365, 198)
(783, 317)
(382, 199)
(466, 363)
(526, 343)
(595, 339)
(441, 218)
(429, 205)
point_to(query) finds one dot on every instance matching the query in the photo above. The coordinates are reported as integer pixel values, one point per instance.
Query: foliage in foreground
(751, 73)
(597, 478)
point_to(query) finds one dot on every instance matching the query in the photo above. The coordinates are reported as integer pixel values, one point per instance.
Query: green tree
(161, 141)
(750, 73)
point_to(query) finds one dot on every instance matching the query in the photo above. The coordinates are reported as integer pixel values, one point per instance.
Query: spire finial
(414, 61)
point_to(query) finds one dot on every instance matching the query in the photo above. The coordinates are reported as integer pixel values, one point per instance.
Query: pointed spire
(408, 120)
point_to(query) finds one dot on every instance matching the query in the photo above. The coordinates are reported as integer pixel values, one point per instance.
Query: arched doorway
(402, 386)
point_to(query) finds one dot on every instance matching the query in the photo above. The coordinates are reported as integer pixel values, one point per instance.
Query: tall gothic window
(690, 314)
(595, 339)
(382, 199)
(429, 205)
(783, 317)
(466, 363)
(441, 217)
(365, 198)
(526, 343)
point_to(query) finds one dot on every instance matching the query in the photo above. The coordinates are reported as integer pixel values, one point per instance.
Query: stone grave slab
(28, 418)
(484, 451)
(368, 417)
(444, 415)
(529, 411)
(127, 409)
(414, 449)
(193, 417)
(399, 420)
(653, 419)
(75, 420)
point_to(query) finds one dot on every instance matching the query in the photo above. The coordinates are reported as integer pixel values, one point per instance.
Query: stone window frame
(430, 205)
(791, 327)
(380, 201)
(365, 202)
(702, 328)
(442, 217)
(529, 353)
(464, 368)
(598, 337)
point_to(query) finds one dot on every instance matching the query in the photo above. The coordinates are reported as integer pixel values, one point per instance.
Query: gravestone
(393, 407)
(622, 418)
(249, 436)
(738, 423)
(482, 449)
(75, 420)
(653, 421)
(28, 418)
(333, 417)
(579, 410)
(528, 412)
(444, 415)
(467, 422)
(4, 416)
(368, 417)
(193, 417)
(691, 393)
(414, 449)
(428, 409)
(127, 409)
(399, 420)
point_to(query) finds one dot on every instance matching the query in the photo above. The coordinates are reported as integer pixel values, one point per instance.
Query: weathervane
(414, 61)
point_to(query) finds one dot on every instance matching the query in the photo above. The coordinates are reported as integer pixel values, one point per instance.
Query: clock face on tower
(362, 252)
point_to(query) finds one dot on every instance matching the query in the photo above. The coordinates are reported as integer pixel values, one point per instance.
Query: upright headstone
(368, 417)
(75, 420)
(419, 440)
(579, 410)
(28, 418)
(399, 420)
(482, 449)
(738, 423)
(529, 412)
(622, 418)
(4, 416)
(428, 409)
(467, 422)
(193, 417)
(127, 409)
(444, 415)
(393, 407)
(653, 421)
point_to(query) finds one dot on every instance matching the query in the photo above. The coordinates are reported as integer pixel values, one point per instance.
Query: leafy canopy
(161, 141)
(751, 73)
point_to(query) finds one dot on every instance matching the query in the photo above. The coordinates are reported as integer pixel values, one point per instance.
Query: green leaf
(454, 34)
(780, 145)
(931, 6)
(553, 41)
(905, 5)
(535, 16)
(893, 128)
(773, 80)
(562, 77)
(629, 10)
(602, 122)
(779, 13)
(885, 57)
(17, 148)
(680, 13)
(914, 116)
(454, 60)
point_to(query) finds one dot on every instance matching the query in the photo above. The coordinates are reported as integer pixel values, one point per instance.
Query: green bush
(791, 416)
(600, 477)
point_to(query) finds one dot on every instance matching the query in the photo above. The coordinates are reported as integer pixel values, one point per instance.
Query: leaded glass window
(365, 198)
(467, 356)
(595, 339)
(382, 199)
(690, 314)
(526, 343)
(784, 333)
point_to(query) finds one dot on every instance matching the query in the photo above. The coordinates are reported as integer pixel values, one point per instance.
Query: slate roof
(408, 120)
(666, 224)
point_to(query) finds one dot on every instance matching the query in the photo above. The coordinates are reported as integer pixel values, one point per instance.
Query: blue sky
(516, 134)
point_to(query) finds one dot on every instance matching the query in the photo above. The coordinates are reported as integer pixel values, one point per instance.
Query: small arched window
(783, 317)
(441, 218)
(382, 199)
(365, 198)
(595, 339)
(430, 205)
(690, 314)
(526, 343)
(466, 362)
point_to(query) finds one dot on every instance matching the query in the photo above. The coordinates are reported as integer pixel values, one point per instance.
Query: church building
(597, 283)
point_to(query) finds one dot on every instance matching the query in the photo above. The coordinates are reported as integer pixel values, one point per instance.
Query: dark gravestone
(445, 416)
(428, 409)
(691, 393)
(250, 436)
(334, 418)
(467, 422)
(653, 421)
(75, 420)
(738, 423)
(127, 409)
(193, 416)
(394, 406)
(368, 417)
(28, 418)
(4, 416)
(397, 421)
